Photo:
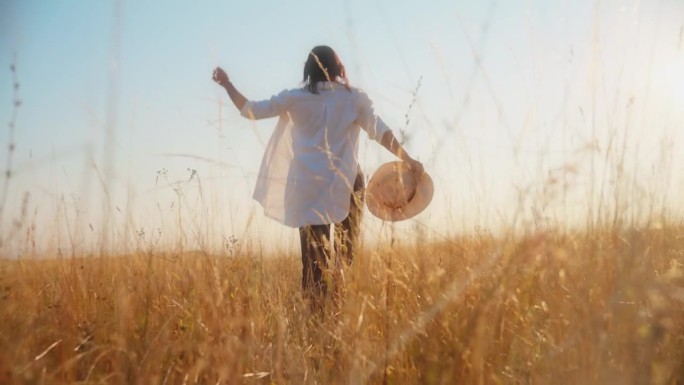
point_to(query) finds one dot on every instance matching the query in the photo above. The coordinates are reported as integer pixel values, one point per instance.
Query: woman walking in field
(309, 176)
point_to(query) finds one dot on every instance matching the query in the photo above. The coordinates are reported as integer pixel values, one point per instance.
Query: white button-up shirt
(308, 170)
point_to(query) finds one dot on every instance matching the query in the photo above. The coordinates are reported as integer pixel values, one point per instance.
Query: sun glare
(670, 79)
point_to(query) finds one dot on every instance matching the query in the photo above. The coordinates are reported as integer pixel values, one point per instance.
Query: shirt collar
(327, 85)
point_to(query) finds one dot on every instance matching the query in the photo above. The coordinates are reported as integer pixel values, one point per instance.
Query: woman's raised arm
(222, 79)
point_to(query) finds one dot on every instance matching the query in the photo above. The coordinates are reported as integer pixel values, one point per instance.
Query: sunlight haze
(525, 112)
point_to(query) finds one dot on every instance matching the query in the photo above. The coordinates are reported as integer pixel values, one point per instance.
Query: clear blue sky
(510, 92)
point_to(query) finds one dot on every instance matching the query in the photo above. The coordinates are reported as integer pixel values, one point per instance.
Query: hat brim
(388, 173)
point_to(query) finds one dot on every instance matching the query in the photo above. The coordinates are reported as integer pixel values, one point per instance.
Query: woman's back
(312, 156)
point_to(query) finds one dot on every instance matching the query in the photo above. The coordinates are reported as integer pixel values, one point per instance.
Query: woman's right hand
(220, 76)
(416, 168)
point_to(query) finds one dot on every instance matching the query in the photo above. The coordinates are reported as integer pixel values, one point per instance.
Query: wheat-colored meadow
(594, 304)
(551, 307)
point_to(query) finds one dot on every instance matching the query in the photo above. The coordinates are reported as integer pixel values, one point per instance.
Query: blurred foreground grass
(554, 307)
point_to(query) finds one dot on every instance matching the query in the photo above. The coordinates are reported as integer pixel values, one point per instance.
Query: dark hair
(322, 65)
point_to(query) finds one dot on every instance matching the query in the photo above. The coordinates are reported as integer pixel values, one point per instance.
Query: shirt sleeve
(264, 109)
(368, 120)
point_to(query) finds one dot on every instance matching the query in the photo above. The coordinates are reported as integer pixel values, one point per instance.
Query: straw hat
(394, 194)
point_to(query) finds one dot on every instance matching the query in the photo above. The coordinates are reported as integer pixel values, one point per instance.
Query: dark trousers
(316, 245)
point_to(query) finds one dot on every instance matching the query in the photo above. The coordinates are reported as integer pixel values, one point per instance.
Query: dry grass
(548, 308)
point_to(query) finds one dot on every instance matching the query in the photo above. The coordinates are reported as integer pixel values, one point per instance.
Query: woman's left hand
(220, 76)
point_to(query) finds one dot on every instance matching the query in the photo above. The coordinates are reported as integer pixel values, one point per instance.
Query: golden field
(604, 306)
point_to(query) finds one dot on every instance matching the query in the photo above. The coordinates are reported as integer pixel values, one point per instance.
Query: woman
(309, 176)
